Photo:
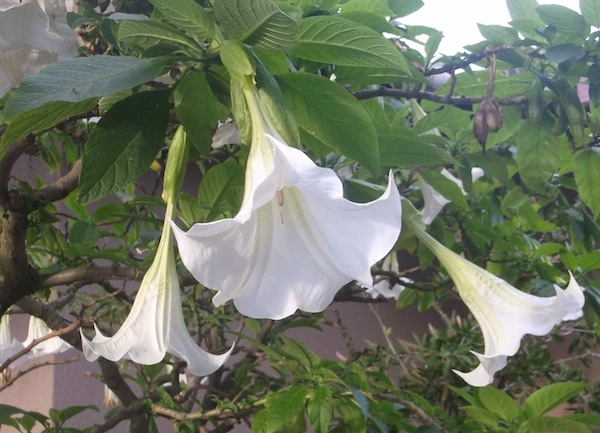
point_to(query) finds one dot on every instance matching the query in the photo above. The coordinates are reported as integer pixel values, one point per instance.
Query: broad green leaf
(42, 118)
(565, 20)
(445, 186)
(332, 115)
(123, 144)
(83, 233)
(376, 22)
(585, 418)
(546, 424)
(538, 157)
(563, 52)
(499, 403)
(198, 110)
(257, 22)
(147, 34)
(80, 79)
(221, 191)
(188, 16)
(482, 416)
(587, 176)
(364, 75)
(406, 151)
(524, 10)
(402, 8)
(330, 39)
(281, 409)
(498, 33)
(308, 359)
(69, 412)
(551, 396)
(377, 7)
(590, 10)
(320, 409)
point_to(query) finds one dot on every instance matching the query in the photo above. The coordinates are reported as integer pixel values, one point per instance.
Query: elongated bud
(175, 167)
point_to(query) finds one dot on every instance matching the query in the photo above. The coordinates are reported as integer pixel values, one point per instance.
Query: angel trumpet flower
(9, 345)
(295, 240)
(155, 324)
(39, 329)
(504, 313)
(33, 34)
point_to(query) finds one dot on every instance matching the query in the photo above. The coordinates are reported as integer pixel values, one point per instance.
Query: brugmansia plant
(286, 156)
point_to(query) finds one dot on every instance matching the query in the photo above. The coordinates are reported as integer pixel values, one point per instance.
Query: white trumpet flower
(155, 326)
(33, 34)
(295, 240)
(39, 329)
(434, 201)
(9, 345)
(504, 313)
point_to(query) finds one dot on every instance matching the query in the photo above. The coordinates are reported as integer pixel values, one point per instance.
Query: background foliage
(522, 104)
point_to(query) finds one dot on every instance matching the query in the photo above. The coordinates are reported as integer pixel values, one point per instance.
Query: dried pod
(480, 127)
(493, 114)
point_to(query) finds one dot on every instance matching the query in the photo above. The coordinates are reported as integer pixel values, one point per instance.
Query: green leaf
(563, 52)
(69, 412)
(257, 22)
(407, 150)
(146, 34)
(281, 410)
(83, 233)
(565, 20)
(188, 16)
(80, 79)
(585, 418)
(332, 115)
(123, 144)
(551, 396)
(305, 357)
(330, 39)
(320, 409)
(402, 8)
(198, 110)
(221, 191)
(499, 403)
(587, 177)
(378, 7)
(538, 157)
(482, 416)
(524, 10)
(591, 11)
(445, 186)
(42, 118)
(546, 424)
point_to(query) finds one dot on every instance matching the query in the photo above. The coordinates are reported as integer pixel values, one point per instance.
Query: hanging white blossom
(155, 326)
(33, 34)
(295, 240)
(38, 329)
(504, 313)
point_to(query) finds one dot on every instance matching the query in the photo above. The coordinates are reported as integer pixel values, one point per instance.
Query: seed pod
(493, 115)
(561, 122)
(535, 102)
(480, 127)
